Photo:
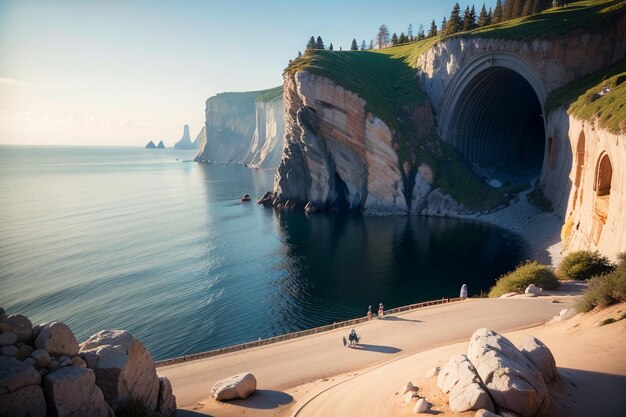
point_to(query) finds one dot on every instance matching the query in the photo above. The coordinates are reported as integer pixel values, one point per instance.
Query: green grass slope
(270, 95)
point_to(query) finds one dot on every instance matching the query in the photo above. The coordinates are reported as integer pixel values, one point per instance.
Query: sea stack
(185, 142)
(161, 145)
(151, 145)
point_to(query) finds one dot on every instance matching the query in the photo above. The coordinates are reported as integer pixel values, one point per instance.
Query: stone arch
(492, 113)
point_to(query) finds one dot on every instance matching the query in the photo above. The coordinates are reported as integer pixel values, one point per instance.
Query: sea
(149, 241)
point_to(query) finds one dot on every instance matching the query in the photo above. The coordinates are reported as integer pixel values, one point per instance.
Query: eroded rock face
(464, 387)
(512, 380)
(72, 391)
(123, 368)
(57, 339)
(539, 354)
(335, 152)
(235, 387)
(20, 393)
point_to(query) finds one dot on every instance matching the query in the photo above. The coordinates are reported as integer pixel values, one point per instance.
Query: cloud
(12, 81)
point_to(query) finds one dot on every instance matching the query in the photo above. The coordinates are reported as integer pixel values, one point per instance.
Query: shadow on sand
(262, 399)
(377, 348)
(396, 318)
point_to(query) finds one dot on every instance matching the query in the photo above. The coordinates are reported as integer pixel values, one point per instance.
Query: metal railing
(295, 335)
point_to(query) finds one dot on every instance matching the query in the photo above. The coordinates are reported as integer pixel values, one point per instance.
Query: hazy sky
(115, 72)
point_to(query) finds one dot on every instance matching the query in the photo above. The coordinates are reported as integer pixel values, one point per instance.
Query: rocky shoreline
(44, 371)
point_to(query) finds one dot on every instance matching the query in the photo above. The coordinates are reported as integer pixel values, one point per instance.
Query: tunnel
(497, 125)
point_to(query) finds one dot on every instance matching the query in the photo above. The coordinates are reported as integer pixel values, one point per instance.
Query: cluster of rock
(497, 377)
(151, 145)
(45, 372)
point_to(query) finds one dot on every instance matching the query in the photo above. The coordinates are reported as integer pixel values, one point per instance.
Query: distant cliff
(245, 127)
(185, 141)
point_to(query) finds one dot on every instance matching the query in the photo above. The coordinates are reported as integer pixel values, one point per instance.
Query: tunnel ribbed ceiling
(497, 122)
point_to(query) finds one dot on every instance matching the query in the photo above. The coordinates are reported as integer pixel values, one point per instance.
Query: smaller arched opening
(580, 165)
(602, 187)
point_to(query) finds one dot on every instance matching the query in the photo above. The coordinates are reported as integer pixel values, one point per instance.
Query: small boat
(245, 198)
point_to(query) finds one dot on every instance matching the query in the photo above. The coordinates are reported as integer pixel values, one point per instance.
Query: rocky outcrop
(72, 391)
(540, 356)
(339, 155)
(20, 392)
(151, 145)
(161, 145)
(464, 387)
(185, 141)
(45, 376)
(235, 387)
(245, 128)
(512, 380)
(123, 367)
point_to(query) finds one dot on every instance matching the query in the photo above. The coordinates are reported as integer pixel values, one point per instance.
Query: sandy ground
(392, 351)
(541, 230)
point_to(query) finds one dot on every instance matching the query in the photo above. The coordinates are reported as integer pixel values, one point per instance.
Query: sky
(121, 73)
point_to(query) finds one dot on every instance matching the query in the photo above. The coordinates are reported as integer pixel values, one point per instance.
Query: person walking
(369, 312)
(381, 311)
(463, 293)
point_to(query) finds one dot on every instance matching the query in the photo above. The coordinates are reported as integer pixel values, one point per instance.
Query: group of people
(381, 311)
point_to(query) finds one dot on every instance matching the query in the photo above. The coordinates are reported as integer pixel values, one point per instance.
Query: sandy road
(284, 365)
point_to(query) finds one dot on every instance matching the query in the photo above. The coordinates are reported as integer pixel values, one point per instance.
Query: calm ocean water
(140, 240)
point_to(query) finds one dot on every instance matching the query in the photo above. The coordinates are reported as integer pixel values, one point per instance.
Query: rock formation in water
(245, 128)
(185, 141)
(161, 145)
(151, 145)
(44, 371)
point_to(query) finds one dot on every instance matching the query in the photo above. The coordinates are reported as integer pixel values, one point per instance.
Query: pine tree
(409, 32)
(319, 44)
(311, 44)
(420, 33)
(454, 24)
(363, 45)
(382, 37)
(394, 39)
(433, 29)
(444, 27)
(299, 54)
(497, 13)
(489, 16)
(516, 10)
(483, 18)
(354, 47)
(330, 48)
(467, 19)
(371, 44)
(528, 8)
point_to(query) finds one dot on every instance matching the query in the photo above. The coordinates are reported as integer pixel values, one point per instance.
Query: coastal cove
(147, 241)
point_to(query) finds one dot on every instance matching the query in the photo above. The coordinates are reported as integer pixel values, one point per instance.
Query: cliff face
(585, 176)
(338, 155)
(240, 128)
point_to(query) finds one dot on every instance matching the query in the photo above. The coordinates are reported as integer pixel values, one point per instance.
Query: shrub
(584, 264)
(524, 275)
(605, 290)
(133, 407)
(538, 199)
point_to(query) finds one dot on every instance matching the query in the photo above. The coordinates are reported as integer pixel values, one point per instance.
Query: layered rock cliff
(337, 154)
(245, 128)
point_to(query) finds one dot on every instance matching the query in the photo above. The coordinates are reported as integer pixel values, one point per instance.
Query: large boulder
(18, 324)
(72, 391)
(464, 387)
(512, 380)
(123, 368)
(56, 338)
(237, 386)
(20, 393)
(539, 354)
(166, 405)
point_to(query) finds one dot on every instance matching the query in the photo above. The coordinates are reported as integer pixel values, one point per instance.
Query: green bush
(524, 275)
(584, 264)
(605, 290)
(134, 407)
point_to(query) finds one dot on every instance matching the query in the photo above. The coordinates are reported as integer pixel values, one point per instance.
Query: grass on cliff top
(270, 95)
(599, 97)
(580, 15)
(384, 82)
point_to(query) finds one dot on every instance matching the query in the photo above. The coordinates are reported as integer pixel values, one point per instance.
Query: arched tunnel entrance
(497, 125)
